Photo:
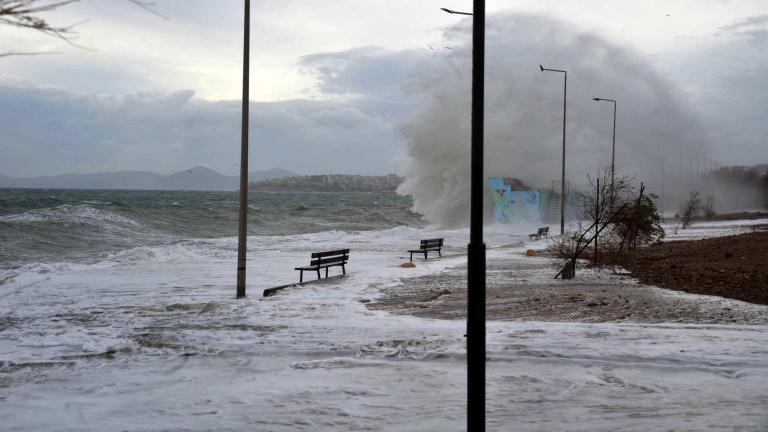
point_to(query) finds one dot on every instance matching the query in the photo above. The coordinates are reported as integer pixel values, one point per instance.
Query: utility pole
(242, 232)
(562, 177)
(613, 145)
(476, 246)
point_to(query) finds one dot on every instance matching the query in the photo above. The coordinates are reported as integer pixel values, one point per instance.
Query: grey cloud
(377, 78)
(364, 70)
(54, 131)
(754, 29)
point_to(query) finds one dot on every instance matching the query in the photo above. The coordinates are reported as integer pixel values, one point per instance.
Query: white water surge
(524, 111)
(152, 339)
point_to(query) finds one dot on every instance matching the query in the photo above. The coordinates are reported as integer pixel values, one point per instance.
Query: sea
(50, 226)
(118, 313)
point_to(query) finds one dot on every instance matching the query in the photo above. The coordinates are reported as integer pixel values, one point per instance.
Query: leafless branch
(148, 6)
(25, 14)
(22, 53)
(22, 13)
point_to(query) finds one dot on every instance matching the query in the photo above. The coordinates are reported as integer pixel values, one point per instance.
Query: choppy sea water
(52, 225)
(132, 325)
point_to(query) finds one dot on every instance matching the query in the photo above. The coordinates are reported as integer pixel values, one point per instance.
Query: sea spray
(523, 124)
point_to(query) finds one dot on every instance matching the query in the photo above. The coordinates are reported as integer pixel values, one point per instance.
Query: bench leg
(425, 255)
(343, 270)
(411, 259)
(301, 276)
(439, 254)
(326, 272)
(318, 274)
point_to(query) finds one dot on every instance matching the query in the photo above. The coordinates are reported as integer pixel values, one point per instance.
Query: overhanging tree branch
(22, 13)
(29, 53)
(25, 14)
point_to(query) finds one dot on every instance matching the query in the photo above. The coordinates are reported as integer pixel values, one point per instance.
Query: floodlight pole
(476, 247)
(613, 146)
(243, 216)
(562, 180)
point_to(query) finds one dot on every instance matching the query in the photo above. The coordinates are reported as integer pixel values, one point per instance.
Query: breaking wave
(523, 113)
(44, 226)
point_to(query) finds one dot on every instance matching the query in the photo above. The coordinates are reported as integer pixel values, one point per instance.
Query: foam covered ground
(152, 339)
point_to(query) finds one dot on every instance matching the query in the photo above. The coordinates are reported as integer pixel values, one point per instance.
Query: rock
(209, 307)
(408, 265)
(530, 252)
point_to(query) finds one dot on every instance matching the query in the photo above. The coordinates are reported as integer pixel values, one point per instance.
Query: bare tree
(628, 220)
(709, 207)
(691, 209)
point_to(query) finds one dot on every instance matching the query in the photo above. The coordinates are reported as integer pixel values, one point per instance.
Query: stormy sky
(336, 86)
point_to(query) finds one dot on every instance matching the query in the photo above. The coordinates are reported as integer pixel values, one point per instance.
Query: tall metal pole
(476, 247)
(663, 177)
(243, 217)
(613, 153)
(613, 145)
(562, 186)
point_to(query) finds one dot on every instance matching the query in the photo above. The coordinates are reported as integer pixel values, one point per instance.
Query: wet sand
(524, 289)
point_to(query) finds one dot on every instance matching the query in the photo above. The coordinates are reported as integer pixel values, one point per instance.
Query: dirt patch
(523, 289)
(733, 267)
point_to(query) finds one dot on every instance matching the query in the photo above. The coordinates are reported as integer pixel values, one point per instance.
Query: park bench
(542, 232)
(426, 246)
(324, 260)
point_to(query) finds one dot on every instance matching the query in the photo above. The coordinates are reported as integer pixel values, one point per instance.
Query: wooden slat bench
(325, 260)
(542, 232)
(426, 246)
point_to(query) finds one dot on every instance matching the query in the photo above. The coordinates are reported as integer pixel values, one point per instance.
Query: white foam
(187, 355)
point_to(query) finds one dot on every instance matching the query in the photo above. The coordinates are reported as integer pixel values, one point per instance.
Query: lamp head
(446, 10)
(541, 67)
(596, 99)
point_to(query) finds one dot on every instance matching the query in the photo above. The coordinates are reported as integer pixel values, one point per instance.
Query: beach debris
(531, 253)
(408, 265)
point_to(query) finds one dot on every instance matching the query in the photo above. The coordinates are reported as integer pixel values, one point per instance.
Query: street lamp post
(243, 216)
(562, 180)
(476, 247)
(613, 146)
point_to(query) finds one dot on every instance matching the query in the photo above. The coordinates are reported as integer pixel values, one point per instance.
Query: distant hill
(198, 178)
(330, 183)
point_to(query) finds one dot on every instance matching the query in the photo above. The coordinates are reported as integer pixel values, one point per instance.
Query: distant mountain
(198, 178)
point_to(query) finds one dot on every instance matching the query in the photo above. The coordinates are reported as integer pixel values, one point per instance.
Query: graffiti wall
(511, 206)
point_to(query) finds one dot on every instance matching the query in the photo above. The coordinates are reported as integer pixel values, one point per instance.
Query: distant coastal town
(329, 183)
